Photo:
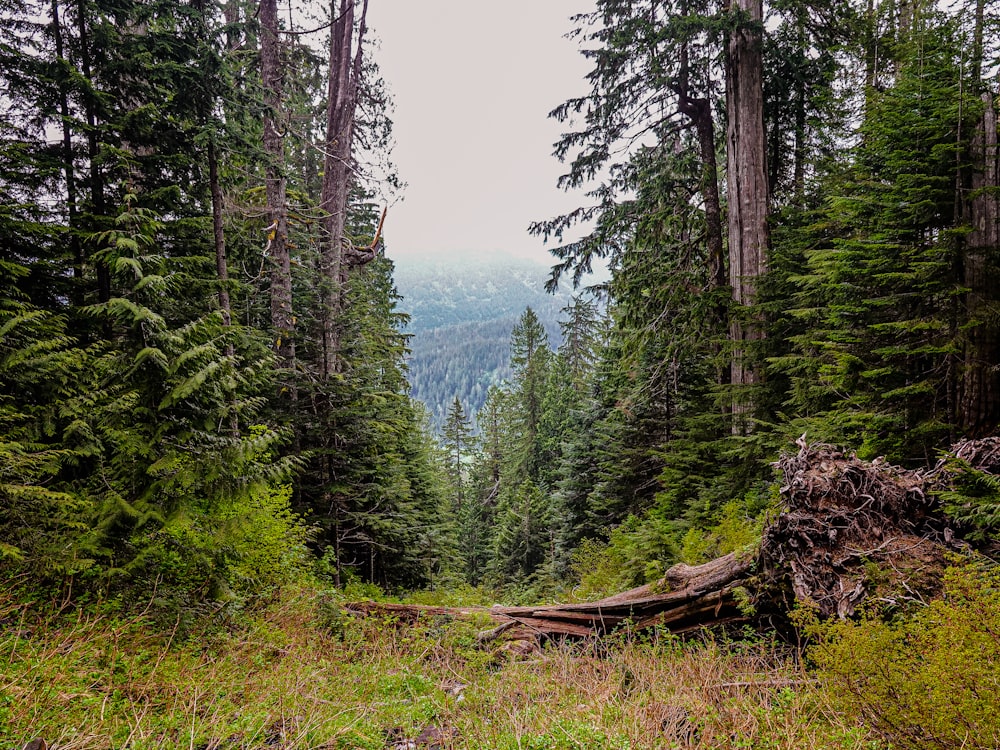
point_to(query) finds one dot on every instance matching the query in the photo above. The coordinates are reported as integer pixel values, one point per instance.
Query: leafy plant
(929, 681)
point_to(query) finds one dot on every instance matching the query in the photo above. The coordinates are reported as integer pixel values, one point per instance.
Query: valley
(462, 310)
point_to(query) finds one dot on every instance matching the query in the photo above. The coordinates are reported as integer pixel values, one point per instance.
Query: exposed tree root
(851, 532)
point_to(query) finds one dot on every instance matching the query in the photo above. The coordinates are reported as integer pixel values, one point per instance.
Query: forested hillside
(799, 218)
(801, 222)
(461, 313)
(207, 425)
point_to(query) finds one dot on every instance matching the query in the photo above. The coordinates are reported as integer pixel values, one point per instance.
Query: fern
(973, 499)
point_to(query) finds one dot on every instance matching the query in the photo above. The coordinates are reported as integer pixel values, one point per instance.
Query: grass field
(297, 674)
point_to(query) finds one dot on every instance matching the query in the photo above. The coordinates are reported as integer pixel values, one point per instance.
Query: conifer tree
(486, 480)
(530, 360)
(457, 435)
(881, 291)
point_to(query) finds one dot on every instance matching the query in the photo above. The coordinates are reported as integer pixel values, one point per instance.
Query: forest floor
(299, 674)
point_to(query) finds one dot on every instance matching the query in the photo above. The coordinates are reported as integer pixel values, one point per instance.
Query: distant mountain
(462, 312)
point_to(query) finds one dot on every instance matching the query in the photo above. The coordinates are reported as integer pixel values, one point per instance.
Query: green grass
(298, 675)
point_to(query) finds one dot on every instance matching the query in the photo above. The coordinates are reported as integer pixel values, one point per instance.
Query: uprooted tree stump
(851, 532)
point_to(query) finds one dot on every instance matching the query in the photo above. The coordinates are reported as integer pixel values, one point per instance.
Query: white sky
(473, 82)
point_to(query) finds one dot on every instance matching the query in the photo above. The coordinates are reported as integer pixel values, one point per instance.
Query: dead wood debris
(851, 532)
(982, 454)
(850, 527)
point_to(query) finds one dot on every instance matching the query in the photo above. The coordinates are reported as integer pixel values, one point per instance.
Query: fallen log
(685, 595)
(850, 532)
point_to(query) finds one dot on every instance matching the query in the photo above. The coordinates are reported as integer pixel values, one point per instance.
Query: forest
(462, 311)
(221, 508)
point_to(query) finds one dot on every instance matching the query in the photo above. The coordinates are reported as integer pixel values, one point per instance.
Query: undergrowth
(298, 674)
(930, 680)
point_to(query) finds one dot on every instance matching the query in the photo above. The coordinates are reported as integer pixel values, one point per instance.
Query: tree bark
(747, 188)
(977, 41)
(69, 170)
(97, 200)
(282, 315)
(799, 168)
(219, 236)
(699, 111)
(345, 74)
(979, 411)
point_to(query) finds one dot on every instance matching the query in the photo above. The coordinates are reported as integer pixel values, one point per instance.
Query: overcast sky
(473, 83)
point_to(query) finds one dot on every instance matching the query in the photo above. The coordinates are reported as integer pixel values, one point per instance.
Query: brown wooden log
(696, 596)
(842, 514)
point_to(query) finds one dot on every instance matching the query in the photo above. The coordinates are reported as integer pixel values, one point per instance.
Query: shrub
(930, 681)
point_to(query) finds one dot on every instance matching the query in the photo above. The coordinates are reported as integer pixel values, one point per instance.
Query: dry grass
(297, 677)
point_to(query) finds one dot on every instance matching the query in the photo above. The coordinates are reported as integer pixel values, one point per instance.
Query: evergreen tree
(457, 435)
(530, 359)
(136, 403)
(877, 364)
(523, 535)
(486, 480)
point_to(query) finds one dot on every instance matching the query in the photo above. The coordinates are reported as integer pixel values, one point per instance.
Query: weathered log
(842, 516)
(694, 596)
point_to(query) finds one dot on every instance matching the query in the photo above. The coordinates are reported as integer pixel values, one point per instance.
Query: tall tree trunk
(799, 170)
(977, 40)
(69, 170)
(231, 15)
(97, 199)
(219, 235)
(699, 111)
(747, 187)
(282, 316)
(980, 403)
(345, 73)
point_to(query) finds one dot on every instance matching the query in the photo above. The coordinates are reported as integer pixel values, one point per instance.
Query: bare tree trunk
(799, 171)
(219, 236)
(69, 171)
(747, 187)
(977, 41)
(699, 111)
(980, 403)
(231, 14)
(345, 74)
(206, 112)
(282, 316)
(97, 200)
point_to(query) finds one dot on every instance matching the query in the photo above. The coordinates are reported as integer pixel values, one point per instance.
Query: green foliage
(602, 568)
(376, 486)
(152, 449)
(927, 681)
(873, 363)
(41, 523)
(152, 442)
(736, 530)
(522, 535)
(458, 443)
(973, 500)
(299, 672)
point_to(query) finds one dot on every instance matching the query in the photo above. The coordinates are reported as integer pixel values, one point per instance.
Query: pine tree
(457, 434)
(530, 360)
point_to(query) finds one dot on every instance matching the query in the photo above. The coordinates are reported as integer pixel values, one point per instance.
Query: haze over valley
(462, 310)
